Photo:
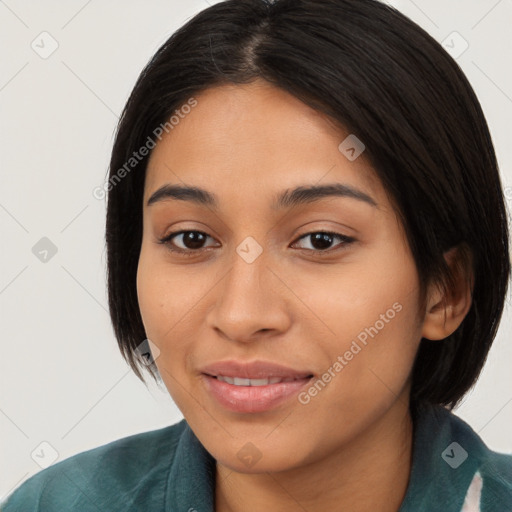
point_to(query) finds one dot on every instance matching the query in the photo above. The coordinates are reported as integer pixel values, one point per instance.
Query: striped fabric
(472, 500)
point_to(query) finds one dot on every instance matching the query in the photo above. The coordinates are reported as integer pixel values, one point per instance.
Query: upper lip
(253, 370)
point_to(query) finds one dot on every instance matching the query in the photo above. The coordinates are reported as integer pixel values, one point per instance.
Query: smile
(240, 381)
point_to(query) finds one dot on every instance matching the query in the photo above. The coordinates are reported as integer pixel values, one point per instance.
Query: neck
(370, 473)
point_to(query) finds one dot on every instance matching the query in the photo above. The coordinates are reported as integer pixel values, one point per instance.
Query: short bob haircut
(375, 74)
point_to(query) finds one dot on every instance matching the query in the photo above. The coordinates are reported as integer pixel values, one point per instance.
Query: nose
(250, 302)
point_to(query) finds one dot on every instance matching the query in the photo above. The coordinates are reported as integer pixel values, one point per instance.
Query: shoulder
(491, 464)
(496, 472)
(114, 476)
(491, 484)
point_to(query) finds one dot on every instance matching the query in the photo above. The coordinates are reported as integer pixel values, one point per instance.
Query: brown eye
(321, 241)
(185, 241)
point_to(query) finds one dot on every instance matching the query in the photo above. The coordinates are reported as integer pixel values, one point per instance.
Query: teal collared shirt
(168, 470)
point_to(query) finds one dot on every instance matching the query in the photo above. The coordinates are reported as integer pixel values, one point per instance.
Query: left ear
(446, 311)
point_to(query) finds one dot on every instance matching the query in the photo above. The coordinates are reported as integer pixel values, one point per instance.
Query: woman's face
(257, 282)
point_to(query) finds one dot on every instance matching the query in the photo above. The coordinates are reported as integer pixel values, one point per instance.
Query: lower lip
(253, 398)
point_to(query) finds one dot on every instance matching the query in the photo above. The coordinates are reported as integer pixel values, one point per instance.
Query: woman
(307, 243)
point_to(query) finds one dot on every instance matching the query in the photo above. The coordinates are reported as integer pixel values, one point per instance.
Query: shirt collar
(446, 455)
(191, 481)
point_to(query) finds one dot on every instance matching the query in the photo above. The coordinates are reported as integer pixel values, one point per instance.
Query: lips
(252, 387)
(254, 370)
(239, 381)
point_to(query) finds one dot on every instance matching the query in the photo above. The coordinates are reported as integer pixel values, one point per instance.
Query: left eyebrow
(286, 199)
(310, 193)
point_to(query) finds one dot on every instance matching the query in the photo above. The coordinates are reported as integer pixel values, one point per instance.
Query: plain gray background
(63, 381)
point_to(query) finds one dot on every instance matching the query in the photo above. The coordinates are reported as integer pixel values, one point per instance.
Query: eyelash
(346, 240)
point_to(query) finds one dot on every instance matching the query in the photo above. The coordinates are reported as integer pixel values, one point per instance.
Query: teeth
(259, 382)
(239, 381)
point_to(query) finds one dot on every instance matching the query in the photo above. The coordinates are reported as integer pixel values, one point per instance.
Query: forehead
(255, 137)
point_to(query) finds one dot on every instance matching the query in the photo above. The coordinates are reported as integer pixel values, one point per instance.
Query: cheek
(379, 355)
(371, 313)
(171, 302)
(160, 297)
(149, 293)
(163, 310)
(348, 298)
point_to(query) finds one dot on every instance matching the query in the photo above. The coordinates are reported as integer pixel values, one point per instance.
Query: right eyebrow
(185, 193)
